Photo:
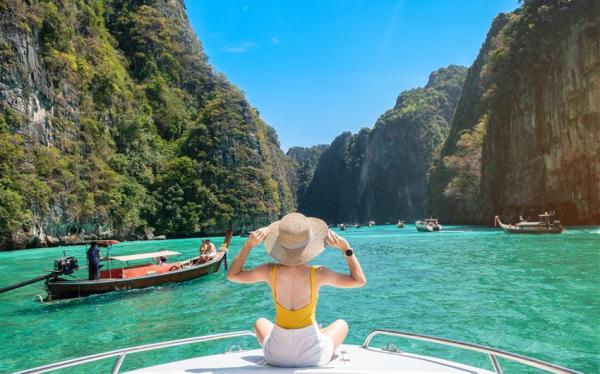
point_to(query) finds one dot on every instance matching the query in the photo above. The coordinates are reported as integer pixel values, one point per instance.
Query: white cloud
(242, 47)
(275, 40)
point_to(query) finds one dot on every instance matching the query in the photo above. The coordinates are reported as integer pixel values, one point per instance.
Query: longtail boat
(543, 226)
(123, 276)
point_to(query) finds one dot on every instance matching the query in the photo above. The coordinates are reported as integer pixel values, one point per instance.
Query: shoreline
(236, 233)
(83, 242)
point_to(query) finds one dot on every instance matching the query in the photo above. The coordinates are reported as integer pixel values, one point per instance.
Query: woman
(295, 340)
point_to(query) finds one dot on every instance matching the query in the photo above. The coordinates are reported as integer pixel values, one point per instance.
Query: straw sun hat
(296, 239)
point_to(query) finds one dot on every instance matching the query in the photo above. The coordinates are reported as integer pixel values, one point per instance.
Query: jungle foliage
(143, 134)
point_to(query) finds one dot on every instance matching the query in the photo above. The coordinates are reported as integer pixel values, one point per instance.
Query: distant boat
(371, 223)
(544, 226)
(428, 225)
(357, 226)
(400, 224)
(342, 226)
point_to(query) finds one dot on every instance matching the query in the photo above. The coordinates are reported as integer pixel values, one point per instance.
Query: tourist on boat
(93, 257)
(208, 251)
(295, 339)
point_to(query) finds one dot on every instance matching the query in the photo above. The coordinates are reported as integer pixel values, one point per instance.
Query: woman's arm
(328, 277)
(258, 274)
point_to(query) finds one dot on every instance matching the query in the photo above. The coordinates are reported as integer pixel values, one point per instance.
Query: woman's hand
(334, 240)
(257, 237)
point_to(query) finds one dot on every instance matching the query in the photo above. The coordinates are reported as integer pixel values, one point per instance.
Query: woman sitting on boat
(295, 339)
(208, 251)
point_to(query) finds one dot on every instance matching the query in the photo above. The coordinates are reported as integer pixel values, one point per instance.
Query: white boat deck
(348, 359)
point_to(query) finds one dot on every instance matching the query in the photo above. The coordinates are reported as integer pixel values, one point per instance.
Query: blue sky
(316, 68)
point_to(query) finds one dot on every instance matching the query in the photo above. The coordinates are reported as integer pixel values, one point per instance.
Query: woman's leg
(262, 328)
(337, 331)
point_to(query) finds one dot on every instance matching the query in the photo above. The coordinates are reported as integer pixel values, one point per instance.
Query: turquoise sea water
(534, 295)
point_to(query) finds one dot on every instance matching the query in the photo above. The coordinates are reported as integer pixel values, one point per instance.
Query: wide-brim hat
(296, 239)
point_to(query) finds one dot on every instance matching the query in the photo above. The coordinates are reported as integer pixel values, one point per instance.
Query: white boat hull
(424, 227)
(348, 359)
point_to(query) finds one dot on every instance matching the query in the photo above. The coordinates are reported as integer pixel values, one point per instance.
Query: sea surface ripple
(533, 295)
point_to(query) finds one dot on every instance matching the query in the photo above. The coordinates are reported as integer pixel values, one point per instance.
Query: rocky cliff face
(113, 123)
(303, 162)
(526, 134)
(332, 193)
(382, 174)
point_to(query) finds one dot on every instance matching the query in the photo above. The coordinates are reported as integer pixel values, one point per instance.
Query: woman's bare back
(292, 286)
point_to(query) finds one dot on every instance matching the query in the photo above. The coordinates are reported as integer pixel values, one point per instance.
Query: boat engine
(65, 265)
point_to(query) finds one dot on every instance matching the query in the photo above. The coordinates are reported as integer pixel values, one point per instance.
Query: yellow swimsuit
(299, 318)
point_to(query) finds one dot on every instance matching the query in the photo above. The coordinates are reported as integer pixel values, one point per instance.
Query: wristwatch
(349, 252)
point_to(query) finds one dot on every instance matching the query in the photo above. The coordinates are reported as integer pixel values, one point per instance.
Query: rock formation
(526, 134)
(381, 174)
(113, 123)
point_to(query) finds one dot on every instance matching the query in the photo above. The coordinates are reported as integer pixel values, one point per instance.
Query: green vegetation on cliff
(112, 122)
(303, 161)
(382, 173)
(525, 136)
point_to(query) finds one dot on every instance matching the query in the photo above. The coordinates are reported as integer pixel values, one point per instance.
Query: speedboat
(400, 224)
(545, 225)
(428, 225)
(348, 358)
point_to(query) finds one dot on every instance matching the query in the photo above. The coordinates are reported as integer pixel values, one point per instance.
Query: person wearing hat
(295, 339)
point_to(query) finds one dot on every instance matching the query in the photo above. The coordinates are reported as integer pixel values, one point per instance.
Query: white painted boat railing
(493, 353)
(121, 353)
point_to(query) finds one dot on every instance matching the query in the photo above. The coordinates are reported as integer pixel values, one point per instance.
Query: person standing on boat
(295, 339)
(93, 257)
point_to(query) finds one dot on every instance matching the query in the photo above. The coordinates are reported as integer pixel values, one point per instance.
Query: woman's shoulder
(320, 268)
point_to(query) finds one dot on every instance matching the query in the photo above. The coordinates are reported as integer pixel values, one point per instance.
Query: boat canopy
(141, 256)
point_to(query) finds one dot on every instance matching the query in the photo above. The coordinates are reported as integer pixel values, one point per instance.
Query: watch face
(349, 252)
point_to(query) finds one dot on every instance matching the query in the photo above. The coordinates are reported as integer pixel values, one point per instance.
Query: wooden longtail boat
(136, 276)
(543, 226)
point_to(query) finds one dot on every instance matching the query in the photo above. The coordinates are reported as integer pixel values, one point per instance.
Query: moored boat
(400, 224)
(428, 225)
(348, 358)
(545, 225)
(135, 276)
(126, 276)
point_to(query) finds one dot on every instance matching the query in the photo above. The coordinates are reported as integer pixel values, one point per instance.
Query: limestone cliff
(113, 123)
(303, 162)
(526, 134)
(382, 174)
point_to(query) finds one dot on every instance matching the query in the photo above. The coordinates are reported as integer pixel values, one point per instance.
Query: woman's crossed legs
(337, 331)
